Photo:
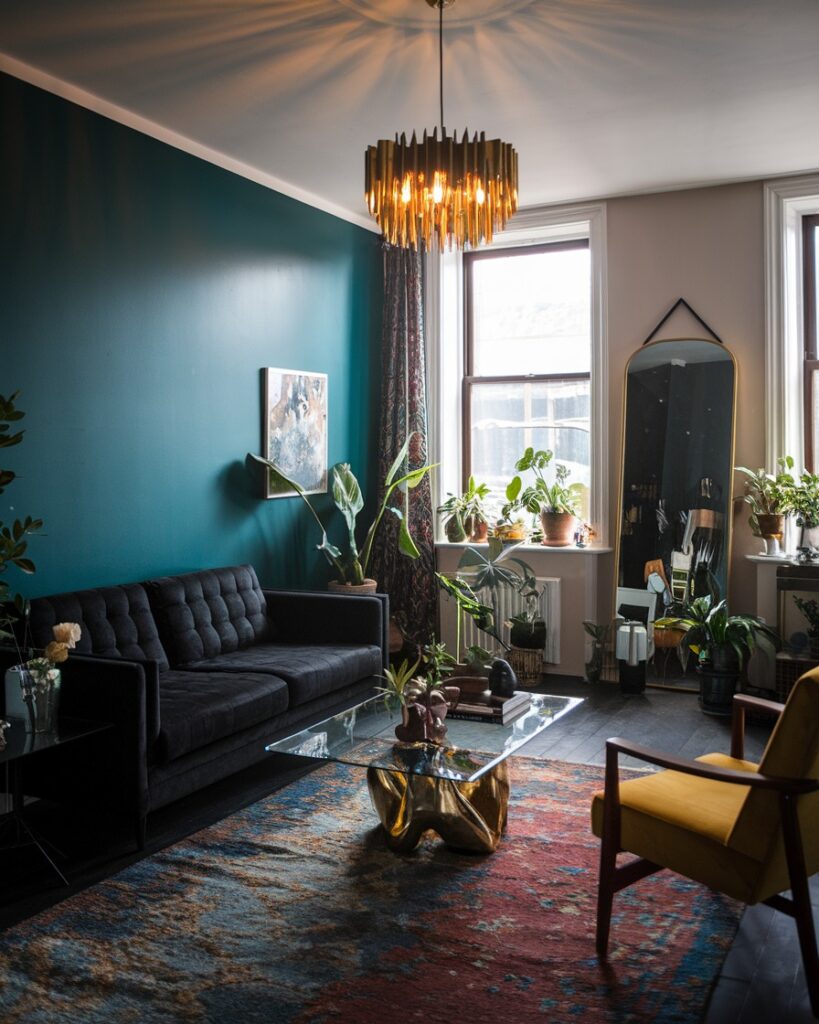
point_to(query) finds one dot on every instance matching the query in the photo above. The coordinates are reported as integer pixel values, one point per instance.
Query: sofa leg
(141, 829)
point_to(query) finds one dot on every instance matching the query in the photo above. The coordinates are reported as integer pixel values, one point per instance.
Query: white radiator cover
(509, 603)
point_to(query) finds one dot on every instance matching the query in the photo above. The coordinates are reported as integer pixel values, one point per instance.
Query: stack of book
(483, 707)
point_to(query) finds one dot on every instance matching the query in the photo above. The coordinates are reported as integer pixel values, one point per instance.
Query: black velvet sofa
(197, 672)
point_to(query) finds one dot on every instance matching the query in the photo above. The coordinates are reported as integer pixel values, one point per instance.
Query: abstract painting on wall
(295, 430)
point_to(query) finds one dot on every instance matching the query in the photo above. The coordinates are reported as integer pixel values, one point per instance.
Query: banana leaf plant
(353, 564)
(711, 633)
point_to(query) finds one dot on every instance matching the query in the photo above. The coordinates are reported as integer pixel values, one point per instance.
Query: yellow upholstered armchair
(750, 831)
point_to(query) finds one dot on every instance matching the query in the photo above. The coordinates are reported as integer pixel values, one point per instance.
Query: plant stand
(527, 665)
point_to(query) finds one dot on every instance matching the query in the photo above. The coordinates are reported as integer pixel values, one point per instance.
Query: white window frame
(444, 318)
(787, 200)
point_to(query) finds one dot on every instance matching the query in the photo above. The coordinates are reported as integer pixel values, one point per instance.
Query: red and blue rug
(292, 911)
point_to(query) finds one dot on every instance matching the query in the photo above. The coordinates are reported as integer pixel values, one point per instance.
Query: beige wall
(705, 245)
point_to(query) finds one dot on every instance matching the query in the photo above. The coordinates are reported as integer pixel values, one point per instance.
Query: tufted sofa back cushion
(116, 622)
(204, 614)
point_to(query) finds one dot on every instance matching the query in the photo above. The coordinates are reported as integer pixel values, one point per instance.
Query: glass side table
(20, 745)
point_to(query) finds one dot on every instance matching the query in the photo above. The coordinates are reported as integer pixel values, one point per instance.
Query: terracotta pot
(771, 526)
(478, 531)
(357, 589)
(558, 529)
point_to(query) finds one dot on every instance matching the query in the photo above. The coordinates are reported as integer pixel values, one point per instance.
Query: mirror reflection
(675, 522)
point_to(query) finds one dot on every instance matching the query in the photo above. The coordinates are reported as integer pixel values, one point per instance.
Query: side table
(20, 745)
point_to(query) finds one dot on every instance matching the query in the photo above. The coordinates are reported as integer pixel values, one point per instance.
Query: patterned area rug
(294, 912)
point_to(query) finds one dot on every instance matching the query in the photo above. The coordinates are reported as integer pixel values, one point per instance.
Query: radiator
(509, 603)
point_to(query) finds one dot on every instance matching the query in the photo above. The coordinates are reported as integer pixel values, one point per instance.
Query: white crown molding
(90, 101)
(785, 201)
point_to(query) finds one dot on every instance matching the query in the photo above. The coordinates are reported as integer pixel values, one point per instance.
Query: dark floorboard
(761, 980)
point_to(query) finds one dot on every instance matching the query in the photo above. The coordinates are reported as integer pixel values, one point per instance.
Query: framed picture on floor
(294, 429)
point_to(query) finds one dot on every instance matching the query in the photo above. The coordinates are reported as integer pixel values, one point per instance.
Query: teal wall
(141, 291)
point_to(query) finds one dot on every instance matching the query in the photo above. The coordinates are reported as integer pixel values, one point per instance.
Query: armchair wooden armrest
(742, 703)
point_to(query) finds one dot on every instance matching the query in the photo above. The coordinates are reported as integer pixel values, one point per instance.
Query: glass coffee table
(459, 790)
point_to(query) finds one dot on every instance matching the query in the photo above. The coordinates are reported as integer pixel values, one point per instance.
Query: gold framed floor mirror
(673, 539)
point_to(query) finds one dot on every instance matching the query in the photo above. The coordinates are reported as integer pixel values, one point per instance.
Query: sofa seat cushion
(198, 708)
(203, 614)
(310, 670)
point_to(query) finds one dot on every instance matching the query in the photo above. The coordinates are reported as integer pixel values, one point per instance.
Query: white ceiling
(599, 97)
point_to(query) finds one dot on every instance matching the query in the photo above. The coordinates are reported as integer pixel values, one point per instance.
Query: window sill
(571, 549)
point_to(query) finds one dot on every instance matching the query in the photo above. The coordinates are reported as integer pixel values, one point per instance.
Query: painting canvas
(295, 429)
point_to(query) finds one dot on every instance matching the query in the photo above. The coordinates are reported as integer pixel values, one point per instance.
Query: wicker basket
(528, 665)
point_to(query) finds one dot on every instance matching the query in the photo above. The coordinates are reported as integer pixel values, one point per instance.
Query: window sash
(810, 226)
(470, 378)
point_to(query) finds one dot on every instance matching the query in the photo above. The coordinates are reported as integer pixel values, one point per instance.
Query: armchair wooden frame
(614, 878)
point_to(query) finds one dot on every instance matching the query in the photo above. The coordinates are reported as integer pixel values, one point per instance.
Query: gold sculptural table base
(466, 815)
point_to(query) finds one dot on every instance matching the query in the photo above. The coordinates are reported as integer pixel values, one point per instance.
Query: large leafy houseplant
(353, 564)
(13, 537)
(804, 500)
(768, 494)
(542, 496)
(719, 640)
(465, 515)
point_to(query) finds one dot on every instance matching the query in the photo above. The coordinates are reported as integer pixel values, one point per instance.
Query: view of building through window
(528, 360)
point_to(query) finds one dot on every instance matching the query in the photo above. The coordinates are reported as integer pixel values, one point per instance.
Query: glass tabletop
(364, 735)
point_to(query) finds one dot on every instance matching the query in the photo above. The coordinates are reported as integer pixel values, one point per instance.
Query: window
(527, 360)
(810, 256)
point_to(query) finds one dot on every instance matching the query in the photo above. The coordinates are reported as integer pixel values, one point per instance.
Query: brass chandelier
(457, 192)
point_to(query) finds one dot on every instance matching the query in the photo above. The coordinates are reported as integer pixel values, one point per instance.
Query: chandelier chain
(441, 60)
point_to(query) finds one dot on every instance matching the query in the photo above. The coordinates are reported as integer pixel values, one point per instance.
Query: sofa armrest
(105, 690)
(302, 616)
(115, 690)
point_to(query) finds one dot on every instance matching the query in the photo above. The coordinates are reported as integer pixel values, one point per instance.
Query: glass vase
(39, 698)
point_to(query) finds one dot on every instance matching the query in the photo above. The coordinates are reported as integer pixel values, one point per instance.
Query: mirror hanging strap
(681, 302)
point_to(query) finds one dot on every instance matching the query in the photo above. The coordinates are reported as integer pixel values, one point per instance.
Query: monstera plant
(353, 563)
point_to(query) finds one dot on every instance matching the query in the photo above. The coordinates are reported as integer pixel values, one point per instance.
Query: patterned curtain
(410, 583)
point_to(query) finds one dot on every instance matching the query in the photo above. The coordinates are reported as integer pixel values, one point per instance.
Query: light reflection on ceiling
(599, 97)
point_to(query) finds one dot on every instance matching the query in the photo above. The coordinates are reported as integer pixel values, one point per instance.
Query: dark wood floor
(762, 978)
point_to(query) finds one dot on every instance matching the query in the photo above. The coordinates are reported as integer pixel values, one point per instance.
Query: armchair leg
(605, 891)
(801, 908)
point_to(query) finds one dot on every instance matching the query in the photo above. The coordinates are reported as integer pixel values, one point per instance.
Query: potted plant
(424, 699)
(465, 514)
(510, 527)
(527, 629)
(352, 565)
(13, 538)
(804, 502)
(722, 643)
(810, 609)
(556, 503)
(770, 497)
(599, 635)
(489, 572)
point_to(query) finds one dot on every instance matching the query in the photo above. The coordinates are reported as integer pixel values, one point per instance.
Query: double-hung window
(527, 361)
(810, 256)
